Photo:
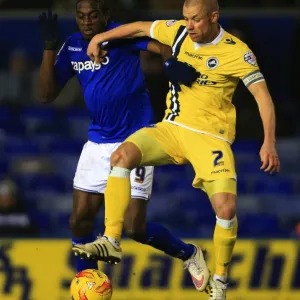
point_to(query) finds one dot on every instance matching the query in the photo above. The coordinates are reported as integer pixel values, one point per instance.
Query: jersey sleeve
(165, 31)
(63, 66)
(140, 44)
(245, 67)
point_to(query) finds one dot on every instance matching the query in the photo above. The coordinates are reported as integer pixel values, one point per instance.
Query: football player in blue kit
(118, 103)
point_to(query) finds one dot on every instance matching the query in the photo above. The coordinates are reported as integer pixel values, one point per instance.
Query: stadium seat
(4, 168)
(17, 146)
(259, 225)
(5, 114)
(47, 183)
(247, 146)
(36, 116)
(63, 146)
(13, 127)
(79, 120)
(273, 185)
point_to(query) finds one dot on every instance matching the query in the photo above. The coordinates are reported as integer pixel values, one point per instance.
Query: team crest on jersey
(171, 23)
(250, 58)
(212, 63)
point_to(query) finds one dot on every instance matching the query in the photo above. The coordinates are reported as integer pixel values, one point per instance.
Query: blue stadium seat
(246, 146)
(5, 114)
(58, 128)
(63, 146)
(47, 183)
(259, 225)
(79, 121)
(16, 146)
(4, 168)
(35, 116)
(75, 113)
(244, 167)
(13, 127)
(273, 185)
(242, 185)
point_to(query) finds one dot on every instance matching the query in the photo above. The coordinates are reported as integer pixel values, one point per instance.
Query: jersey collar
(214, 42)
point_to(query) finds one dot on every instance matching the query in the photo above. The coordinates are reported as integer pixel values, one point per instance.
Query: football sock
(117, 198)
(162, 239)
(83, 264)
(224, 240)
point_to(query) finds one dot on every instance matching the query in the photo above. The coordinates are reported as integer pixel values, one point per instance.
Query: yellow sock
(224, 240)
(117, 198)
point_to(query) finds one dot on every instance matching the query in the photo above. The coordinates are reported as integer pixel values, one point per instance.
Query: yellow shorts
(167, 143)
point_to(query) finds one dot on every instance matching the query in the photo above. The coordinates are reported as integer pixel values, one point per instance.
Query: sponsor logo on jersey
(212, 63)
(203, 80)
(250, 58)
(229, 41)
(193, 55)
(75, 49)
(220, 171)
(88, 65)
(171, 23)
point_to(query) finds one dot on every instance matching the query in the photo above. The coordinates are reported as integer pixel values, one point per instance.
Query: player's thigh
(212, 159)
(86, 205)
(93, 167)
(158, 145)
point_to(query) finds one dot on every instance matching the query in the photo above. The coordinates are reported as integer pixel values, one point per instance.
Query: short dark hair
(102, 6)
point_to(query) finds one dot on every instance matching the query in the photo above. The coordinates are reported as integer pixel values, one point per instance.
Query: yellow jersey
(207, 106)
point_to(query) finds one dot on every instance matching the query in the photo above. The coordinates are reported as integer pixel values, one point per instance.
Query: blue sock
(83, 264)
(162, 239)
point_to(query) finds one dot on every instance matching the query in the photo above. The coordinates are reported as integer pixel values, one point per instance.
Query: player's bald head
(209, 5)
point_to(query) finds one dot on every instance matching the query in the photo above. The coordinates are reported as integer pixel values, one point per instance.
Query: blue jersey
(114, 91)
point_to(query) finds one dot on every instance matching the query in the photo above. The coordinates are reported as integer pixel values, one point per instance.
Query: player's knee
(126, 156)
(225, 206)
(135, 230)
(226, 211)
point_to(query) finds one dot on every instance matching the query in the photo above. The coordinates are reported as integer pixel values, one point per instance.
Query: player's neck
(214, 33)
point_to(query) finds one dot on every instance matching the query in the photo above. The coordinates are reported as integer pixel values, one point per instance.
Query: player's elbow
(47, 93)
(45, 97)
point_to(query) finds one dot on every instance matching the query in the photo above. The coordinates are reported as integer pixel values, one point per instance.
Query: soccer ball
(91, 285)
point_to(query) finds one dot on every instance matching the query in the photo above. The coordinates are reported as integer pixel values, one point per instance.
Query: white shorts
(94, 167)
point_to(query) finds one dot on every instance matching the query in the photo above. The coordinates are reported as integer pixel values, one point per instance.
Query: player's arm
(268, 153)
(131, 30)
(55, 69)
(164, 51)
(48, 87)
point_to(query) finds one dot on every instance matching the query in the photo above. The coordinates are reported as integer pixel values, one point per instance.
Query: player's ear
(215, 16)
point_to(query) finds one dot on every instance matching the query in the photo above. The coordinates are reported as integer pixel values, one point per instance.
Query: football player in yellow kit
(198, 128)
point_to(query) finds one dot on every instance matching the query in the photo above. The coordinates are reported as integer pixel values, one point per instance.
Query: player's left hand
(269, 158)
(49, 30)
(95, 52)
(180, 73)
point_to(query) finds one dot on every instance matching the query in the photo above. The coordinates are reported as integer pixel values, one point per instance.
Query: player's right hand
(269, 158)
(49, 30)
(95, 51)
(180, 73)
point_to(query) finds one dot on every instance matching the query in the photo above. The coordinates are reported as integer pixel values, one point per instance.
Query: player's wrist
(50, 45)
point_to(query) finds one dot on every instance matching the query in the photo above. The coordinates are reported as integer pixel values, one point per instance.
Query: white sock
(120, 172)
(221, 278)
(113, 241)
